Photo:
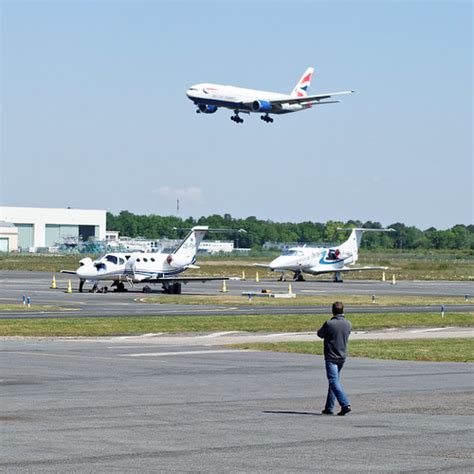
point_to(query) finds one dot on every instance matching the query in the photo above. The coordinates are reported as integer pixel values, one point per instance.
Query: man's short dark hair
(337, 308)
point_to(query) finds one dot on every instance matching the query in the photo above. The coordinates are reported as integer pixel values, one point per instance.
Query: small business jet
(319, 260)
(147, 267)
(209, 97)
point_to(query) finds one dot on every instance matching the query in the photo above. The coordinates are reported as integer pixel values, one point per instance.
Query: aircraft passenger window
(111, 258)
(121, 261)
(138, 259)
(152, 259)
(145, 260)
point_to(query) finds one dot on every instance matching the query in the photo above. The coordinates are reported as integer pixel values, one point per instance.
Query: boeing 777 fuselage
(209, 97)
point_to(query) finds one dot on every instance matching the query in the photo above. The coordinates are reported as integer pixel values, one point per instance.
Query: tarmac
(189, 403)
(118, 405)
(36, 285)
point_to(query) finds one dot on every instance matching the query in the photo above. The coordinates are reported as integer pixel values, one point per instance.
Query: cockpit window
(293, 253)
(192, 89)
(111, 258)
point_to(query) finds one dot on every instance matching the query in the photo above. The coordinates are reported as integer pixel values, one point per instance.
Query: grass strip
(110, 326)
(32, 308)
(433, 350)
(303, 299)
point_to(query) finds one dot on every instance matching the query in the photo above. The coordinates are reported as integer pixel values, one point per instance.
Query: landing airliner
(319, 260)
(209, 97)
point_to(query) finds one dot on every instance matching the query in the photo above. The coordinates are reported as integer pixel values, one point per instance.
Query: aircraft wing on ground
(261, 265)
(182, 279)
(347, 269)
(71, 272)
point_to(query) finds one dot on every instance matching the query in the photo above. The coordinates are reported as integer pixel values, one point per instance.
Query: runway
(13, 285)
(118, 405)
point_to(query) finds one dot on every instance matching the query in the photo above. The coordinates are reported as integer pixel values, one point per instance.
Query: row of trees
(257, 232)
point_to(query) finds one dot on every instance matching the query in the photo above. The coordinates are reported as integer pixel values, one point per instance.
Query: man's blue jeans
(335, 391)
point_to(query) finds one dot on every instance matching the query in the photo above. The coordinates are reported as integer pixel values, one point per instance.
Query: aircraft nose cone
(273, 264)
(84, 272)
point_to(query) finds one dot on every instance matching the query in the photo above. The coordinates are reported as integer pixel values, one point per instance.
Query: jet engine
(207, 109)
(261, 106)
(175, 261)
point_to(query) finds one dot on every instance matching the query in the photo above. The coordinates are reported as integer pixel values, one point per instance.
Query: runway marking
(217, 334)
(432, 329)
(290, 334)
(178, 353)
(141, 336)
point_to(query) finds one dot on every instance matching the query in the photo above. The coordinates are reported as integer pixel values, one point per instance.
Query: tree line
(258, 231)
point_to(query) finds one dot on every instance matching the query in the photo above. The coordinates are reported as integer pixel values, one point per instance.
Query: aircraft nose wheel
(266, 118)
(236, 119)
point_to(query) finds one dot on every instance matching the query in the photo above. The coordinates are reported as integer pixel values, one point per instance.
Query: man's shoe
(344, 410)
(327, 412)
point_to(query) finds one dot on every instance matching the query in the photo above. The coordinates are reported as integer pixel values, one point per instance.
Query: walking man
(335, 333)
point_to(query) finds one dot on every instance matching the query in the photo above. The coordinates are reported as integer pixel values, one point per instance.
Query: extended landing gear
(299, 276)
(337, 277)
(266, 118)
(119, 286)
(235, 118)
(98, 289)
(81, 285)
(282, 277)
(172, 288)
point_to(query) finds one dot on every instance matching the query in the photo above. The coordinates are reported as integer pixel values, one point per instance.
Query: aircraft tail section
(185, 254)
(301, 88)
(352, 244)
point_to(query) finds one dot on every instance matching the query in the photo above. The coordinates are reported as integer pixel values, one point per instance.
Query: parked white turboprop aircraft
(146, 267)
(209, 97)
(319, 260)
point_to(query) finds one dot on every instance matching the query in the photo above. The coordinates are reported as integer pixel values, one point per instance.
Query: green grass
(22, 307)
(304, 299)
(435, 350)
(95, 327)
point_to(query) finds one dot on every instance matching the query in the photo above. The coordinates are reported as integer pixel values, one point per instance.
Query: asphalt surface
(13, 285)
(121, 405)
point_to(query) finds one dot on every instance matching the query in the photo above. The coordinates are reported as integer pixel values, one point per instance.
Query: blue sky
(94, 112)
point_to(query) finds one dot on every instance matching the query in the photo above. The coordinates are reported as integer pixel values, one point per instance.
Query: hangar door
(4, 244)
(25, 235)
(88, 231)
(55, 233)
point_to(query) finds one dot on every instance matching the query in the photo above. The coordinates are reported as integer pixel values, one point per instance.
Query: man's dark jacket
(335, 333)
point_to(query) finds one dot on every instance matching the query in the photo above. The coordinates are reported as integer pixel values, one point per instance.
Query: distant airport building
(140, 244)
(216, 246)
(38, 227)
(8, 237)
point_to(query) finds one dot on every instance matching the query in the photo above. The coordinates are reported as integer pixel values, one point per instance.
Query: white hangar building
(45, 227)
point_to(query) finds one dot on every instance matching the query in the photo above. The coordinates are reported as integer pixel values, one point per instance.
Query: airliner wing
(314, 99)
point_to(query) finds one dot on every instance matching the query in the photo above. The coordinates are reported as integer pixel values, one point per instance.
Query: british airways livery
(209, 97)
